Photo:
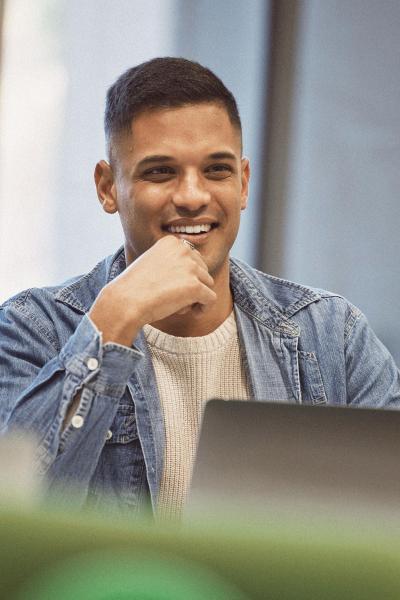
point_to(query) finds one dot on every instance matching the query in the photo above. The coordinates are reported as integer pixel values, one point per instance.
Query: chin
(215, 265)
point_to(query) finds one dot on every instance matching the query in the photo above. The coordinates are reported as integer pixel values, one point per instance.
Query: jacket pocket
(123, 429)
(312, 386)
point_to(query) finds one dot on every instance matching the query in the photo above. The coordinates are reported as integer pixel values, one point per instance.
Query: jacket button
(92, 363)
(109, 435)
(77, 421)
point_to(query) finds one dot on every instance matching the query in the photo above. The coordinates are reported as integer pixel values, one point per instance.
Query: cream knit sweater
(190, 371)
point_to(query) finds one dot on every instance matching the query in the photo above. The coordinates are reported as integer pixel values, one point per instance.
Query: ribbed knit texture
(190, 371)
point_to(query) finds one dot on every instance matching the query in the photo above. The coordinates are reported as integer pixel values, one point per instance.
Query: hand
(167, 279)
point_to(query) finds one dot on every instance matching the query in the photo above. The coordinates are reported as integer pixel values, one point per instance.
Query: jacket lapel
(270, 360)
(268, 339)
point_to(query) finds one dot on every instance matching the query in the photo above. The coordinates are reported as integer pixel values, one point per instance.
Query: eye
(219, 171)
(161, 173)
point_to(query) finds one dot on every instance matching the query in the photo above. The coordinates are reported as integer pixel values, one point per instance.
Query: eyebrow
(222, 156)
(157, 158)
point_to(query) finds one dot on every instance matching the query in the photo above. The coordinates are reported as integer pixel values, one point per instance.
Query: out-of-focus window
(58, 59)
(33, 89)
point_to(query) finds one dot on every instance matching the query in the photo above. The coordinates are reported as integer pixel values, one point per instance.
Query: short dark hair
(163, 83)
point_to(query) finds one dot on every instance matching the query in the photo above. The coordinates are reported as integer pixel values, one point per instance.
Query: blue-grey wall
(341, 229)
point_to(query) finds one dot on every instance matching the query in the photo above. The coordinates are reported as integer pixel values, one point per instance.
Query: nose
(190, 193)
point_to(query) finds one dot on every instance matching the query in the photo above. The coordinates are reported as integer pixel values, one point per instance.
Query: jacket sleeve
(38, 384)
(373, 378)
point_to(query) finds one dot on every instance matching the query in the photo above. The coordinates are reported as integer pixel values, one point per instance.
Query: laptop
(262, 458)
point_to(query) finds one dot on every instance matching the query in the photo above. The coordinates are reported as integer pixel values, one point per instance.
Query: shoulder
(281, 291)
(291, 298)
(77, 292)
(55, 311)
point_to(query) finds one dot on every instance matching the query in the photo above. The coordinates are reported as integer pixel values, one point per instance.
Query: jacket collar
(81, 292)
(270, 300)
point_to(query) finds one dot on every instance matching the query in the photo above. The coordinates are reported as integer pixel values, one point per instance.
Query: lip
(182, 221)
(197, 239)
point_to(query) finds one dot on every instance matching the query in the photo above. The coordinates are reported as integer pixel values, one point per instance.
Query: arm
(39, 384)
(44, 388)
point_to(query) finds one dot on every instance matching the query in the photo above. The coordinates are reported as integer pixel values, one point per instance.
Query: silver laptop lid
(269, 458)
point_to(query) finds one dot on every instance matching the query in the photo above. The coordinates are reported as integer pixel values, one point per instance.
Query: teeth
(189, 228)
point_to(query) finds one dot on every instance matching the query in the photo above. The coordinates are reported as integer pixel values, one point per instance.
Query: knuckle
(196, 286)
(196, 269)
(168, 240)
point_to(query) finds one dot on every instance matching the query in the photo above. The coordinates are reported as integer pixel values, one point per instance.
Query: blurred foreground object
(19, 482)
(49, 555)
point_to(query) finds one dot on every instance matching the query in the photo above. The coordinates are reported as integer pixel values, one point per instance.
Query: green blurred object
(83, 556)
(119, 576)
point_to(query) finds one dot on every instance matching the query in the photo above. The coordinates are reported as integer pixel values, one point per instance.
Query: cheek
(147, 205)
(132, 209)
(140, 221)
(128, 214)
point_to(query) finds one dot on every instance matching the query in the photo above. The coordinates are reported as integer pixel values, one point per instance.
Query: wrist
(117, 322)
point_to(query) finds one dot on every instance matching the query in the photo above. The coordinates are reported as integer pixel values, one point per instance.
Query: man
(111, 370)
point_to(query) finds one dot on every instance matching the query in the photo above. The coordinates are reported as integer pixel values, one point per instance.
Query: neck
(198, 321)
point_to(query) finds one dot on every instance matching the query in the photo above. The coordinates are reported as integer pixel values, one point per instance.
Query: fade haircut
(162, 83)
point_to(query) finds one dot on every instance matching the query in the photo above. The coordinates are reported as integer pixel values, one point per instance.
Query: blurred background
(318, 88)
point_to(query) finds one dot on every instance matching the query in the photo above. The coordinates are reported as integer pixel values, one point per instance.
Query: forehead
(196, 128)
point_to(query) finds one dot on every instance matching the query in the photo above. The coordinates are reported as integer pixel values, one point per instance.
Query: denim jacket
(298, 345)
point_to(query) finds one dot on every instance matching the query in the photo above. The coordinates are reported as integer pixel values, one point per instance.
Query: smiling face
(178, 172)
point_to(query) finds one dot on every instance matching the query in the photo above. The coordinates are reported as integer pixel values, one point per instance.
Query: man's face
(180, 172)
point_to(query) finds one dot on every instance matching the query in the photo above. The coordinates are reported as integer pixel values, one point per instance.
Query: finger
(194, 254)
(205, 295)
(205, 277)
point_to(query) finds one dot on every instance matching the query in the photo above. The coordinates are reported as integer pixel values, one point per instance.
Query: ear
(245, 165)
(105, 186)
